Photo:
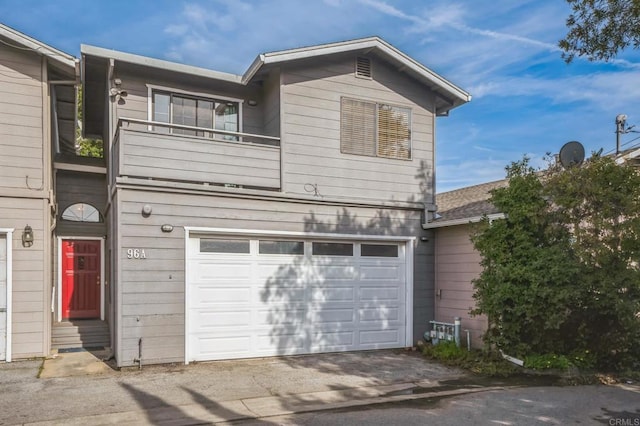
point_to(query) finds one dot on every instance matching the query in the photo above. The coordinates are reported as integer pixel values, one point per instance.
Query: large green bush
(561, 271)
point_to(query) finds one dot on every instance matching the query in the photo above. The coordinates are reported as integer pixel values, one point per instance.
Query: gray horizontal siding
(21, 122)
(173, 157)
(152, 290)
(311, 134)
(31, 289)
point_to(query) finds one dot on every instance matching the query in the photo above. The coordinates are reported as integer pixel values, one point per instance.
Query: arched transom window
(81, 212)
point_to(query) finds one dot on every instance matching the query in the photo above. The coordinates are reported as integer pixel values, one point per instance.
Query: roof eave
(88, 50)
(461, 221)
(60, 57)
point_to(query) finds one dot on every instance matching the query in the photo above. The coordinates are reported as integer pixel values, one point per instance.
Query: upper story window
(186, 110)
(375, 129)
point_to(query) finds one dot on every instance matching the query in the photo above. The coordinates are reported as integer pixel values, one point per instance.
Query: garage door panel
(380, 272)
(380, 313)
(385, 293)
(207, 270)
(280, 316)
(202, 295)
(331, 294)
(332, 341)
(331, 316)
(221, 347)
(285, 269)
(281, 294)
(205, 321)
(281, 343)
(380, 337)
(332, 271)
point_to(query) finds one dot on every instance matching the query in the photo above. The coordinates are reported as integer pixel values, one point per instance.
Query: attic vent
(363, 67)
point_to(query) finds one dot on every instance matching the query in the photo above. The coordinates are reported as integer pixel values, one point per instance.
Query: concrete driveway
(214, 391)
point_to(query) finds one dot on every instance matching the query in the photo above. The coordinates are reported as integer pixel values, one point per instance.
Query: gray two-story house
(270, 213)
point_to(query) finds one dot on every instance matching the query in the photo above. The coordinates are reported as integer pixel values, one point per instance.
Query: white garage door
(253, 297)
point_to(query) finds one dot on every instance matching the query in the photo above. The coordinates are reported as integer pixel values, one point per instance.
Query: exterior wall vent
(363, 67)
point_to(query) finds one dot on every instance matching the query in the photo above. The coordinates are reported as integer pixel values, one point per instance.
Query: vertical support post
(456, 330)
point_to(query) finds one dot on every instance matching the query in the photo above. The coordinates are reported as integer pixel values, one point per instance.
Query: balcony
(169, 152)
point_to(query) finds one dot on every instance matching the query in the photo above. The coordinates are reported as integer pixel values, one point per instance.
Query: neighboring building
(271, 213)
(37, 113)
(457, 263)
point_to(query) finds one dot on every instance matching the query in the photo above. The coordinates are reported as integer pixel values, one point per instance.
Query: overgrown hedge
(561, 273)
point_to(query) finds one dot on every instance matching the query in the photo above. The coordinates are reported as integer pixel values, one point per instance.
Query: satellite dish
(571, 154)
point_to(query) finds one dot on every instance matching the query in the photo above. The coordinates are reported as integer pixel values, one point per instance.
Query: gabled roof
(450, 94)
(465, 205)
(58, 56)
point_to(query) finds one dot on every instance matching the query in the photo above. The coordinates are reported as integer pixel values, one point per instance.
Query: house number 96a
(136, 254)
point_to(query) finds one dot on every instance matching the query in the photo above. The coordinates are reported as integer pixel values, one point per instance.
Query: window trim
(377, 129)
(205, 96)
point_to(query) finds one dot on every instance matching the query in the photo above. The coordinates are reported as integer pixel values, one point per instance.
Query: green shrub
(476, 361)
(448, 350)
(547, 362)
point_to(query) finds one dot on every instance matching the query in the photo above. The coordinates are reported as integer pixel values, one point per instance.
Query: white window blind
(375, 129)
(358, 127)
(394, 132)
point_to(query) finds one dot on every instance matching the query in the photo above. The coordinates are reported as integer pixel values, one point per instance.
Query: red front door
(80, 279)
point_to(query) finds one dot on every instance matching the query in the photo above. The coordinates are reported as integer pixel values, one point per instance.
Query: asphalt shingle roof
(468, 202)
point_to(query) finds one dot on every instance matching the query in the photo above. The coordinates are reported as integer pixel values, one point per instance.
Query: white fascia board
(360, 44)
(463, 221)
(39, 47)
(158, 63)
(315, 235)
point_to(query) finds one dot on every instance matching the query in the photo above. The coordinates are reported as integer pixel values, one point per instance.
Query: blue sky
(526, 100)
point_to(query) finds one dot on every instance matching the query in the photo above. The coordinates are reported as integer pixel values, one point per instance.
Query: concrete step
(80, 334)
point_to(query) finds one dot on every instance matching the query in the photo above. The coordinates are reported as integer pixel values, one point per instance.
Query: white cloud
(387, 9)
